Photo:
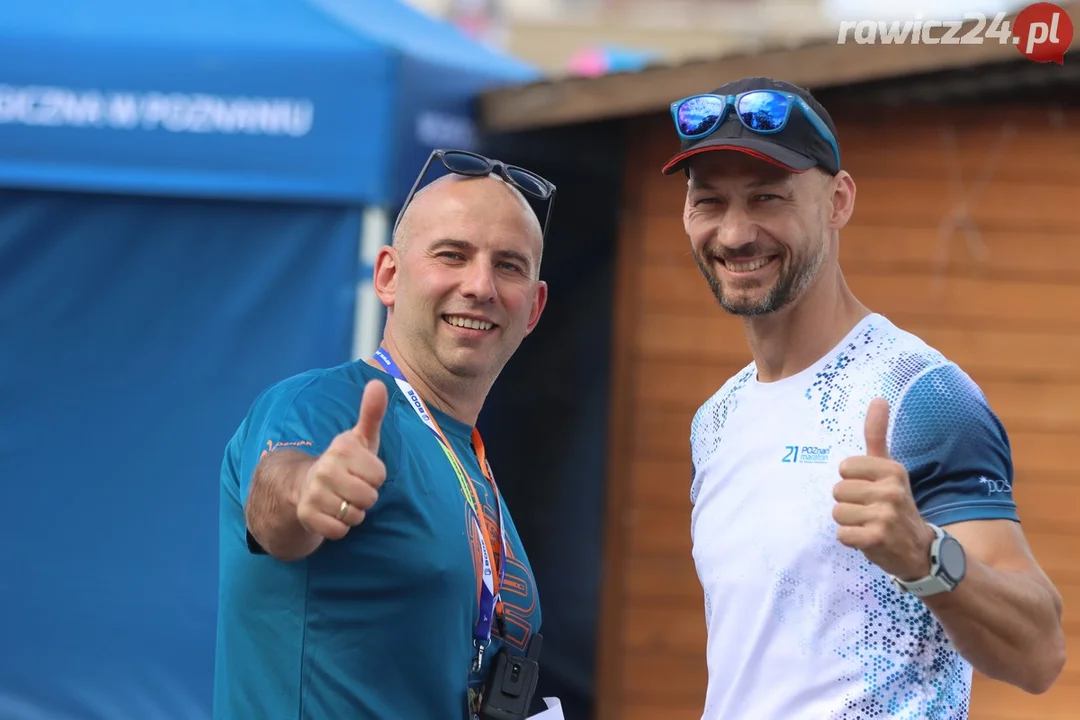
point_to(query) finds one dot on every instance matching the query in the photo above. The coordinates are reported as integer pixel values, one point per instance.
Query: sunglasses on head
(760, 111)
(469, 164)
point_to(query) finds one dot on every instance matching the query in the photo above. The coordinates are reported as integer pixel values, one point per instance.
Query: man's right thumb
(372, 410)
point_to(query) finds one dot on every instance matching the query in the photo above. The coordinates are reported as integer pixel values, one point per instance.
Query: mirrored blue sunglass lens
(763, 110)
(465, 164)
(700, 115)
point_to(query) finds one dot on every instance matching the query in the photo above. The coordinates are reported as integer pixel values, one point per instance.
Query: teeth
(748, 267)
(468, 323)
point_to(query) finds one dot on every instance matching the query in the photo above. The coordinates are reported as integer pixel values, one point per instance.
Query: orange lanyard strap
(489, 588)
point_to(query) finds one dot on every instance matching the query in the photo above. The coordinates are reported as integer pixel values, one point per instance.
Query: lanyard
(488, 595)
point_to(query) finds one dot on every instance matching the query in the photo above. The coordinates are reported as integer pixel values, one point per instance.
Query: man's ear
(538, 304)
(386, 274)
(843, 200)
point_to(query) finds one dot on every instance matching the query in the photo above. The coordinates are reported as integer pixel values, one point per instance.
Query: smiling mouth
(468, 323)
(747, 266)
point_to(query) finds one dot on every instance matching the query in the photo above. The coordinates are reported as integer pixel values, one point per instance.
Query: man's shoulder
(884, 360)
(327, 397)
(881, 356)
(720, 403)
(342, 383)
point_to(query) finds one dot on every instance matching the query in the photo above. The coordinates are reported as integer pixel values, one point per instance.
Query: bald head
(459, 195)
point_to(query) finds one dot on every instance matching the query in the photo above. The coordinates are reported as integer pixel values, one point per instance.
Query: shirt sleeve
(295, 415)
(955, 449)
(304, 414)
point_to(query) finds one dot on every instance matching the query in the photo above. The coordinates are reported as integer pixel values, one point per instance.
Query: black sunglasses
(463, 162)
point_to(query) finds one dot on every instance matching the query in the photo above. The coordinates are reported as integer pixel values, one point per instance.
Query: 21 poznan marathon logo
(1042, 32)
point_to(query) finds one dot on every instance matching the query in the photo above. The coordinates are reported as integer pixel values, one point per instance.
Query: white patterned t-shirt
(801, 627)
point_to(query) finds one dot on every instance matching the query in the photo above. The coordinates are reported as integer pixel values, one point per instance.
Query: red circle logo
(1043, 32)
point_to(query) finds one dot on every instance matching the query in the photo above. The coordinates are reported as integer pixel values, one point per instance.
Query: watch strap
(925, 587)
(933, 583)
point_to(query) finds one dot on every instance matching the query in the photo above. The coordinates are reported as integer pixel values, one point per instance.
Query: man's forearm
(1006, 624)
(270, 510)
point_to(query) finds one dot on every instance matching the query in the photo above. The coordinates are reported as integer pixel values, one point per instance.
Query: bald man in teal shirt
(369, 567)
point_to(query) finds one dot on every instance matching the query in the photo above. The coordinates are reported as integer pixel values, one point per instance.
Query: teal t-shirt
(379, 624)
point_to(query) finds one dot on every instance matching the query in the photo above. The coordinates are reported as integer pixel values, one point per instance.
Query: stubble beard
(795, 277)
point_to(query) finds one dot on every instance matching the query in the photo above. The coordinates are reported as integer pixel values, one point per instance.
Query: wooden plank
(685, 709)
(996, 253)
(1032, 405)
(1002, 145)
(679, 384)
(609, 665)
(716, 339)
(682, 290)
(1012, 203)
(886, 248)
(661, 531)
(660, 482)
(991, 700)
(665, 677)
(864, 122)
(1013, 353)
(675, 625)
(1023, 404)
(663, 578)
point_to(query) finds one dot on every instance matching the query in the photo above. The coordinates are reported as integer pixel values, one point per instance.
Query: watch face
(953, 562)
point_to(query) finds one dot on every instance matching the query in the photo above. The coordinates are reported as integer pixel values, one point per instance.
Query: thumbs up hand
(875, 508)
(343, 483)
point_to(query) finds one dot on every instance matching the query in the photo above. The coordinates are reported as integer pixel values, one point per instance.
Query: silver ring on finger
(343, 510)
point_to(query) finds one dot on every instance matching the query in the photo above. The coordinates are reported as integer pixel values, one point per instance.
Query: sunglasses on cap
(470, 164)
(761, 111)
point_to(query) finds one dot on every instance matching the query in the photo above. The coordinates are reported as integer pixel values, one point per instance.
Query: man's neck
(787, 342)
(459, 402)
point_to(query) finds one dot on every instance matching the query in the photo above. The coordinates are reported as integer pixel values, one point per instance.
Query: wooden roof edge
(816, 63)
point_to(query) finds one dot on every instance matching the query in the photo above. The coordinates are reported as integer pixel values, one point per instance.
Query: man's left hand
(875, 508)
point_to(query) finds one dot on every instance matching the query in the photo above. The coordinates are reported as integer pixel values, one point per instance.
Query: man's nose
(479, 282)
(736, 229)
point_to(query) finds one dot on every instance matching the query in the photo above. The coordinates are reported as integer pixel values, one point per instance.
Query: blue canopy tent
(184, 187)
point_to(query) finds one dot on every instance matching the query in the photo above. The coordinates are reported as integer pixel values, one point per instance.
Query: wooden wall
(967, 232)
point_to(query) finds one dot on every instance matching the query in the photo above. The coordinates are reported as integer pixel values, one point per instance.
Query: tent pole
(368, 318)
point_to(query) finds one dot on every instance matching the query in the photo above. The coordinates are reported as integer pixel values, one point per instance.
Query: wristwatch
(948, 564)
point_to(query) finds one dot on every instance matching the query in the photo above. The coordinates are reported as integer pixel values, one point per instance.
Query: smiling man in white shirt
(853, 522)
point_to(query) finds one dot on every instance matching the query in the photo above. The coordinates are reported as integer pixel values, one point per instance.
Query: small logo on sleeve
(806, 454)
(994, 487)
(272, 446)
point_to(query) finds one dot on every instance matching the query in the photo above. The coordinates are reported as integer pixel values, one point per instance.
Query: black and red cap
(798, 147)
